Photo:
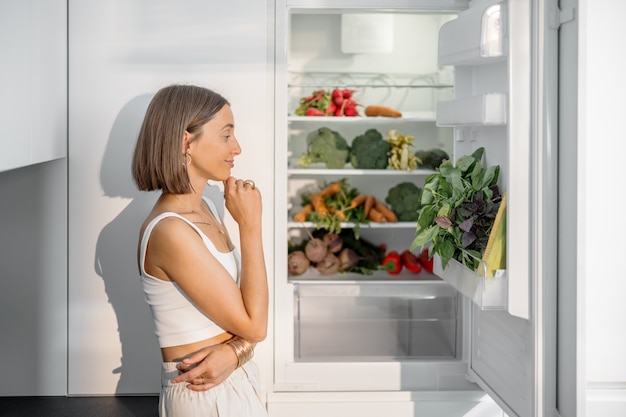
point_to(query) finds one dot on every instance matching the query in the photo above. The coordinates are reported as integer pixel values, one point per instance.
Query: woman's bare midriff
(178, 353)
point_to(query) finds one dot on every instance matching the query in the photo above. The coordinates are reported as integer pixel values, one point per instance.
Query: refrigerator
(465, 75)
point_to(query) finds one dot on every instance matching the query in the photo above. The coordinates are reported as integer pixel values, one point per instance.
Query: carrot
(330, 190)
(390, 216)
(318, 204)
(369, 203)
(376, 216)
(340, 215)
(358, 200)
(303, 213)
(384, 111)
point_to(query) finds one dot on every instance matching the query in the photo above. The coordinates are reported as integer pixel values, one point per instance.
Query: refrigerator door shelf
(488, 293)
(476, 37)
(483, 110)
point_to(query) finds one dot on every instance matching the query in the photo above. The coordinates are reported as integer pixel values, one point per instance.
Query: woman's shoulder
(163, 220)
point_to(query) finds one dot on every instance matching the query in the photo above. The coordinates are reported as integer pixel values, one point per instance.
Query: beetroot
(347, 259)
(316, 249)
(329, 265)
(297, 263)
(333, 241)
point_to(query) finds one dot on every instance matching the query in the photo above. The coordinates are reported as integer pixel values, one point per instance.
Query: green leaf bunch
(337, 203)
(459, 204)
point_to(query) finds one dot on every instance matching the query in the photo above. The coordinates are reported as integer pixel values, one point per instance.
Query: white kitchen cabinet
(33, 81)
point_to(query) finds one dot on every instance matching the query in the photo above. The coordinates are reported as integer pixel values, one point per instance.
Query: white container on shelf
(476, 36)
(482, 110)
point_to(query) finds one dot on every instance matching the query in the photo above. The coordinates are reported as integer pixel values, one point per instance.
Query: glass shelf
(407, 116)
(377, 277)
(307, 172)
(372, 225)
(319, 80)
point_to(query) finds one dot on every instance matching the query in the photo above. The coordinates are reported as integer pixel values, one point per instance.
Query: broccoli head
(327, 146)
(404, 200)
(369, 151)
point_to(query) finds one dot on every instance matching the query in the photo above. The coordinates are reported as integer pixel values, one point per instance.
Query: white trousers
(238, 396)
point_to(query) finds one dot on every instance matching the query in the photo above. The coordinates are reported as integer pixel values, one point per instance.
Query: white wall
(33, 272)
(120, 53)
(601, 228)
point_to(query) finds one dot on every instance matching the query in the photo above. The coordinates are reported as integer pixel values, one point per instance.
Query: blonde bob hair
(158, 161)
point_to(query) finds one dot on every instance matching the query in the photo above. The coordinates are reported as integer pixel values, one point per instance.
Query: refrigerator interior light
(492, 32)
(367, 33)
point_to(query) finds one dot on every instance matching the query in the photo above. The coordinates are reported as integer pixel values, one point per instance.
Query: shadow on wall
(116, 257)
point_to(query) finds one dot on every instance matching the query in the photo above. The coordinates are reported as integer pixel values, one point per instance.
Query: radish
(337, 96)
(350, 111)
(312, 111)
(330, 111)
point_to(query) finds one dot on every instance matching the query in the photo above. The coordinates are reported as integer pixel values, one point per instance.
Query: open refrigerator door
(504, 55)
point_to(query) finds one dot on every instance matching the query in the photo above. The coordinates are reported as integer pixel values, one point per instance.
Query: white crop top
(177, 320)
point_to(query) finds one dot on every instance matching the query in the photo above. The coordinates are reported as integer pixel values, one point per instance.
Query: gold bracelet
(242, 348)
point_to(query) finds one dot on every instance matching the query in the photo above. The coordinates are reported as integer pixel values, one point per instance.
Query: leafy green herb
(458, 208)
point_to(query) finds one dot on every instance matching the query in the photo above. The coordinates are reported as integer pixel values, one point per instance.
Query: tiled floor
(121, 406)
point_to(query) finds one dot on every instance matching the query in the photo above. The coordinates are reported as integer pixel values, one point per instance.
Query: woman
(209, 303)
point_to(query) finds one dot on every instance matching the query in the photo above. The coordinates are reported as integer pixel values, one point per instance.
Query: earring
(187, 159)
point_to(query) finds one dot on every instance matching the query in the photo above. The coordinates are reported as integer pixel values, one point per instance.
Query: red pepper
(426, 263)
(392, 263)
(411, 262)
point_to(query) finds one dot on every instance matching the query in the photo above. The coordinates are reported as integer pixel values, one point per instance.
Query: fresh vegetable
(297, 262)
(392, 263)
(358, 200)
(369, 151)
(312, 111)
(345, 105)
(315, 250)
(356, 255)
(404, 199)
(432, 158)
(333, 241)
(327, 146)
(387, 213)
(317, 201)
(383, 111)
(329, 265)
(318, 100)
(410, 262)
(425, 260)
(401, 155)
(369, 203)
(376, 216)
(330, 190)
(459, 204)
(301, 216)
(347, 259)
(334, 203)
